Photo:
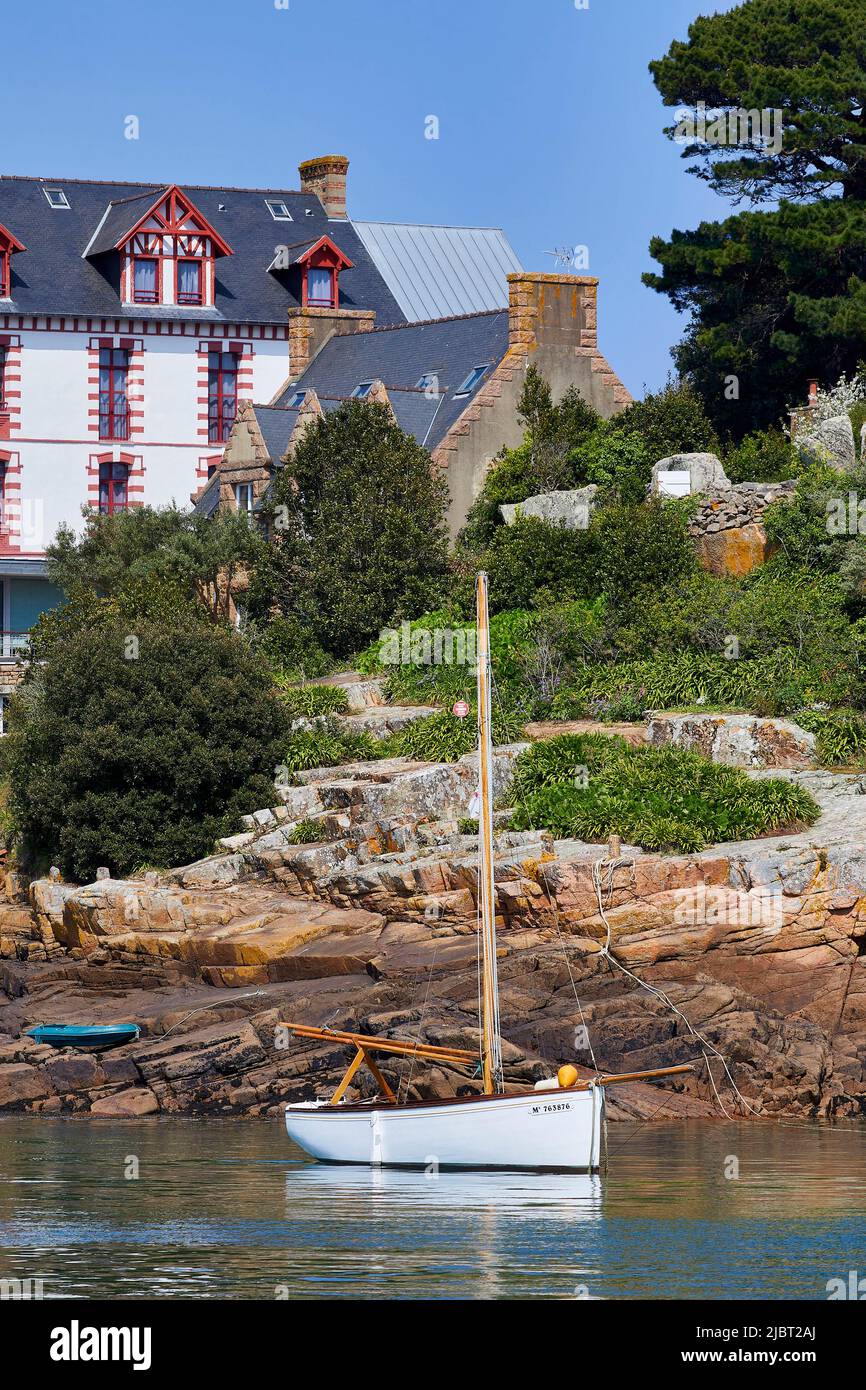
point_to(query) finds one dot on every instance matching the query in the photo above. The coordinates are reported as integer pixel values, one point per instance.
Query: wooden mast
(492, 1051)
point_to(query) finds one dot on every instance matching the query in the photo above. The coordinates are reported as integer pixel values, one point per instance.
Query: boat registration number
(549, 1109)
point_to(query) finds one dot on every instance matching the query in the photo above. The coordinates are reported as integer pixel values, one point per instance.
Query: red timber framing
(105, 474)
(207, 388)
(10, 503)
(9, 244)
(320, 266)
(10, 384)
(171, 234)
(207, 466)
(98, 350)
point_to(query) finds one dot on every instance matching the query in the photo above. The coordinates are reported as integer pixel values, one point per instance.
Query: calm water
(228, 1209)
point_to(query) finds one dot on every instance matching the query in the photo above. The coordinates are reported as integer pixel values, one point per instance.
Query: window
(113, 402)
(113, 487)
(222, 394)
(5, 274)
(472, 380)
(278, 210)
(244, 496)
(428, 382)
(188, 282)
(320, 287)
(296, 400)
(3, 351)
(56, 197)
(145, 288)
(362, 390)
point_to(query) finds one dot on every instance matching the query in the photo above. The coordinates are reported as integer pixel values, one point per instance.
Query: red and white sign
(461, 709)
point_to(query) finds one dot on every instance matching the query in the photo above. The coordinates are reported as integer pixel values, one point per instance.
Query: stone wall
(727, 530)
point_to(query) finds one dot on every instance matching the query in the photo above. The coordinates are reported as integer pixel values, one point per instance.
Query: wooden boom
(614, 1077)
(366, 1045)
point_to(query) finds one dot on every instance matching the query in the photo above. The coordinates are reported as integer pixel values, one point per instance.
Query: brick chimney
(326, 178)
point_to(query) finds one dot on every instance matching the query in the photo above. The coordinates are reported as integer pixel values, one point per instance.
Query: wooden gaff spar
(556, 1126)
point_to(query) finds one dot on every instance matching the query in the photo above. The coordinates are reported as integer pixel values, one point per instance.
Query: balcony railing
(14, 646)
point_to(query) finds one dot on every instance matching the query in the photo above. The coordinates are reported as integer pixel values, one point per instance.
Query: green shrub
(840, 734)
(307, 832)
(311, 701)
(617, 460)
(329, 746)
(633, 549)
(123, 754)
(443, 737)
(670, 421)
(293, 650)
(591, 787)
(765, 456)
(531, 556)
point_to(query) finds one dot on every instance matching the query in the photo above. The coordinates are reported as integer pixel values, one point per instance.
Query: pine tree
(775, 295)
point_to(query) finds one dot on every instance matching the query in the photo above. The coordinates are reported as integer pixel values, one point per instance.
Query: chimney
(326, 178)
(555, 309)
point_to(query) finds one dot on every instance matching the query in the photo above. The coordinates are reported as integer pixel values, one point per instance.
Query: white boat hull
(558, 1130)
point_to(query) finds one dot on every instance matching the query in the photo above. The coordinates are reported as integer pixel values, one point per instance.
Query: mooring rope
(605, 951)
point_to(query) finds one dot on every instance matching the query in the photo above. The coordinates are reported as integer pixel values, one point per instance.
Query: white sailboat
(557, 1127)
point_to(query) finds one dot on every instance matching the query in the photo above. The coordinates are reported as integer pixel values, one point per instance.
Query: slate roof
(437, 271)
(53, 275)
(400, 356)
(209, 500)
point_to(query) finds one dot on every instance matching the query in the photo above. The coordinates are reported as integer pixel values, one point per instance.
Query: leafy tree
(547, 459)
(670, 421)
(357, 521)
(143, 734)
(775, 296)
(201, 556)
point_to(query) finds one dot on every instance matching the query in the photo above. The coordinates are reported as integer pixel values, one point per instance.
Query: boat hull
(542, 1130)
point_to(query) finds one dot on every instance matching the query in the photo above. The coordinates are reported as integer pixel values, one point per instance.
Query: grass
(591, 786)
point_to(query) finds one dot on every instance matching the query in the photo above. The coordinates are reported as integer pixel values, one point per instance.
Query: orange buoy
(567, 1075)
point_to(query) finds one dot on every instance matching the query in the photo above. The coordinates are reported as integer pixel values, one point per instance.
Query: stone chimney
(553, 322)
(552, 308)
(326, 178)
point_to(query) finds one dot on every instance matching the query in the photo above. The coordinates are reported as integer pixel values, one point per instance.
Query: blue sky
(549, 124)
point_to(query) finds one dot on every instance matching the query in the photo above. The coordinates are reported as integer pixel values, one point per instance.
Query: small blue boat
(87, 1038)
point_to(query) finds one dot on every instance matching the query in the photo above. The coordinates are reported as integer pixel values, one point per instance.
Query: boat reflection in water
(570, 1197)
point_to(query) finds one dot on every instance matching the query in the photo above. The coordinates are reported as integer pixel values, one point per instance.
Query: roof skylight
(278, 209)
(56, 197)
(473, 379)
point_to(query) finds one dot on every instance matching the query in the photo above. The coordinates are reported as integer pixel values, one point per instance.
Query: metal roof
(434, 272)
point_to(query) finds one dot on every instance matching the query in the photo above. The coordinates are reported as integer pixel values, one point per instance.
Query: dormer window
(188, 282)
(321, 292)
(9, 244)
(146, 280)
(167, 249)
(56, 197)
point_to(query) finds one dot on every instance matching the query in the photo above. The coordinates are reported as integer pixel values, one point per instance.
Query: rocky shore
(757, 947)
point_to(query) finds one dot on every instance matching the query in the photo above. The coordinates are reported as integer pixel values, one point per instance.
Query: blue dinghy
(92, 1038)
